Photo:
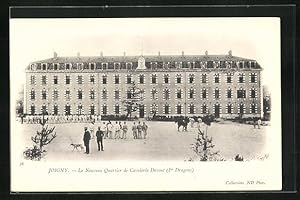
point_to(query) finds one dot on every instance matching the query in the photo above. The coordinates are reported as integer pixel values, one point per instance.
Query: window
(253, 78)
(117, 66)
(117, 94)
(68, 80)
(142, 77)
(253, 108)
(229, 93)
(92, 94)
(241, 93)
(229, 78)
(204, 109)
(104, 109)
(32, 94)
(32, 109)
(104, 94)
(55, 94)
(241, 109)
(128, 79)
(68, 96)
(129, 94)
(117, 109)
(166, 109)
(229, 109)
(44, 66)
(104, 79)
(204, 78)
(67, 66)
(104, 66)
(166, 78)
(80, 110)
(44, 95)
(178, 79)
(79, 94)
(92, 79)
(129, 66)
(92, 65)
(241, 65)
(117, 79)
(153, 94)
(79, 79)
(153, 78)
(252, 93)
(32, 80)
(204, 93)
(92, 109)
(192, 109)
(142, 94)
(217, 78)
(191, 93)
(166, 94)
(55, 66)
(179, 96)
(80, 66)
(44, 80)
(44, 109)
(217, 93)
(191, 78)
(178, 108)
(68, 109)
(55, 109)
(55, 80)
(242, 78)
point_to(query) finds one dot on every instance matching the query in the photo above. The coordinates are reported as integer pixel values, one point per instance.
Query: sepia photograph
(192, 103)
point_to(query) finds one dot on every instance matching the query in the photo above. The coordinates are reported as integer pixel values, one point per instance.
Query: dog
(76, 146)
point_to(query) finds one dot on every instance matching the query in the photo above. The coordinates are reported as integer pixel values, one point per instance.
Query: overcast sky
(36, 39)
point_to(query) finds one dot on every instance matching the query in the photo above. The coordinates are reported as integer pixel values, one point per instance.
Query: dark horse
(182, 121)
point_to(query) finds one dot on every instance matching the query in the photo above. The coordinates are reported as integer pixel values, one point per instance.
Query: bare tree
(133, 100)
(45, 136)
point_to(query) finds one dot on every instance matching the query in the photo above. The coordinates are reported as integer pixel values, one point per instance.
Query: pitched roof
(148, 58)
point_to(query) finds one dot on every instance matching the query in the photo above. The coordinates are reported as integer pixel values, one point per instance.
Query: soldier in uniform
(86, 140)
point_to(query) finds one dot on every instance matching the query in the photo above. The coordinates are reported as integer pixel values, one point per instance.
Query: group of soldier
(109, 130)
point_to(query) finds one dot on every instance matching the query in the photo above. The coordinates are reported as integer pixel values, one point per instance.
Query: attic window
(55, 66)
(68, 66)
(80, 66)
(92, 66)
(44, 66)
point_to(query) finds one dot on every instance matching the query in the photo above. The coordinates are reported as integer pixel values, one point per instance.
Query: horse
(182, 122)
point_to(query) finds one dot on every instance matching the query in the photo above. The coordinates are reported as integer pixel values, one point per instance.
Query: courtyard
(163, 142)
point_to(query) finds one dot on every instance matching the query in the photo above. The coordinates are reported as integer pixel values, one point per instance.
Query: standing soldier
(134, 131)
(86, 140)
(117, 130)
(109, 129)
(99, 135)
(145, 128)
(139, 128)
(124, 128)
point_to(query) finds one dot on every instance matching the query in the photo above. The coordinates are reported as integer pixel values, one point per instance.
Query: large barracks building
(171, 85)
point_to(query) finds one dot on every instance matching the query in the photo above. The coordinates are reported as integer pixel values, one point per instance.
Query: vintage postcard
(145, 104)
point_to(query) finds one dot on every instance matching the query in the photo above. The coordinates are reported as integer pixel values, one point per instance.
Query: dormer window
(104, 66)
(80, 66)
(117, 66)
(44, 66)
(32, 67)
(129, 66)
(55, 66)
(92, 66)
(68, 66)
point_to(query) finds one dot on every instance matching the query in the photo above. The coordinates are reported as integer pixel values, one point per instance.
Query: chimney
(78, 54)
(206, 53)
(159, 53)
(230, 53)
(54, 55)
(101, 54)
(124, 53)
(182, 53)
